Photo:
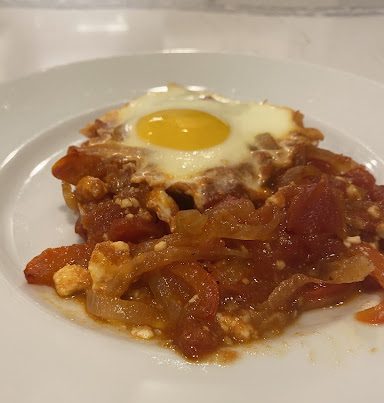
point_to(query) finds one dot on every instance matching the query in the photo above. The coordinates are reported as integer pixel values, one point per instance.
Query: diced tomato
(75, 165)
(370, 284)
(374, 315)
(316, 209)
(297, 249)
(96, 219)
(321, 165)
(40, 269)
(194, 338)
(136, 229)
(289, 248)
(321, 246)
(243, 281)
(205, 301)
(377, 194)
(362, 178)
(108, 218)
(358, 217)
(80, 230)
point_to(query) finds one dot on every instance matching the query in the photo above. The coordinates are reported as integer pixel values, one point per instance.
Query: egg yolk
(182, 129)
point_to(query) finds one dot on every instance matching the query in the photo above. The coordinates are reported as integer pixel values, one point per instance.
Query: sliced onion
(340, 163)
(167, 294)
(284, 293)
(238, 219)
(156, 260)
(348, 270)
(344, 271)
(129, 312)
(190, 222)
(232, 219)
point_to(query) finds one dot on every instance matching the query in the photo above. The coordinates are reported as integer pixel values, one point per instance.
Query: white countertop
(33, 39)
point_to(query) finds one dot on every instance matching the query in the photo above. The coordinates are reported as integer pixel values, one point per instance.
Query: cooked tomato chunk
(76, 165)
(40, 269)
(362, 178)
(135, 229)
(317, 209)
(194, 338)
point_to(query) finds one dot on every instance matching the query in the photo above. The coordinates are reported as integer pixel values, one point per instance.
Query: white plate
(46, 357)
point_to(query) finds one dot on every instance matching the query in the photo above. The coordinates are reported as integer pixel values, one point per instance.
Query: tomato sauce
(238, 270)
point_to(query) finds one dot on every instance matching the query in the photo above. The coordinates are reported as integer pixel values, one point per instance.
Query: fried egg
(187, 132)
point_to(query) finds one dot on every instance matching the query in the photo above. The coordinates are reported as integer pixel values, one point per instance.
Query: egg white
(246, 120)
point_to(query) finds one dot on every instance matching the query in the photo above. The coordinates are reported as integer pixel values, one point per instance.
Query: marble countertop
(32, 39)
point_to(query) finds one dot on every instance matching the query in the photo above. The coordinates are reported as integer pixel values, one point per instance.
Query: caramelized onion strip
(157, 259)
(129, 312)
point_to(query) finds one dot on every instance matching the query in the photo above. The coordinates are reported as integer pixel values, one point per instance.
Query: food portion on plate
(209, 223)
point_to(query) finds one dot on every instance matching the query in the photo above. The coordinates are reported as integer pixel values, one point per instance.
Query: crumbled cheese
(353, 192)
(245, 281)
(102, 268)
(129, 165)
(121, 246)
(163, 205)
(246, 317)
(142, 332)
(380, 230)
(352, 240)
(134, 202)
(89, 188)
(280, 264)
(243, 250)
(144, 214)
(160, 246)
(277, 199)
(228, 340)
(71, 279)
(374, 211)
(374, 244)
(230, 306)
(138, 293)
(193, 299)
(235, 327)
(125, 203)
